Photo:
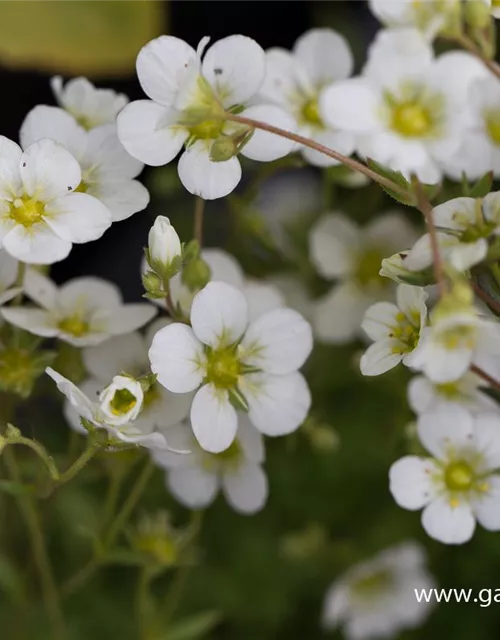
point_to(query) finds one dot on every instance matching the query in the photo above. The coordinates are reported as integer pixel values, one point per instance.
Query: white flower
(456, 340)
(107, 170)
(376, 598)
(395, 330)
(195, 479)
(230, 361)
(84, 311)
(456, 486)
(129, 353)
(296, 81)
(116, 405)
(430, 16)
(164, 245)
(464, 224)
(40, 215)
(425, 395)
(89, 106)
(342, 251)
(8, 276)
(188, 101)
(261, 296)
(407, 108)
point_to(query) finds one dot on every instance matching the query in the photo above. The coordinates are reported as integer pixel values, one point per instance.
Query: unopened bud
(394, 268)
(196, 274)
(153, 285)
(477, 14)
(164, 248)
(224, 148)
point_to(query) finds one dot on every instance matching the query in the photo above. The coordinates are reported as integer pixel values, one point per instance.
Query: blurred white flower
(407, 108)
(230, 362)
(395, 330)
(40, 215)
(8, 276)
(296, 80)
(188, 100)
(376, 598)
(195, 479)
(83, 312)
(456, 485)
(107, 170)
(352, 255)
(430, 16)
(89, 106)
(425, 395)
(115, 411)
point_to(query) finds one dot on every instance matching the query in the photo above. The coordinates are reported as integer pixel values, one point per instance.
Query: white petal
(411, 299)
(278, 342)
(250, 440)
(89, 292)
(90, 389)
(107, 158)
(40, 289)
(235, 66)
(56, 124)
(171, 409)
(77, 217)
(421, 394)
(333, 243)
(325, 55)
(261, 297)
(411, 483)
(264, 146)
(214, 419)
(10, 162)
(179, 438)
(219, 314)
(456, 214)
(246, 488)
(224, 267)
(204, 178)
(33, 320)
(380, 357)
(380, 320)
(278, 404)
(79, 400)
(451, 525)
(466, 255)
(350, 105)
(486, 507)
(487, 439)
(8, 270)
(445, 428)
(36, 245)
(49, 171)
(338, 315)
(448, 365)
(343, 142)
(122, 353)
(176, 356)
(193, 487)
(280, 82)
(130, 317)
(152, 441)
(390, 231)
(122, 198)
(148, 132)
(160, 65)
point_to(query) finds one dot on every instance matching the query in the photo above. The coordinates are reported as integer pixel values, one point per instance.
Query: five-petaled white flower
(189, 99)
(395, 330)
(84, 311)
(196, 478)
(230, 361)
(465, 225)
(8, 276)
(130, 353)
(407, 108)
(41, 216)
(376, 598)
(295, 81)
(89, 105)
(457, 485)
(117, 409)
(425, 395)
(107, 170)
(342, 251)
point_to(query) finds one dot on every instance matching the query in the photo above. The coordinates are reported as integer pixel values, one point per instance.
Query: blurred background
(261, 577)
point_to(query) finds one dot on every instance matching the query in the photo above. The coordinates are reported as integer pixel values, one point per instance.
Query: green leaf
(482, 186)
(398, 178)
(193, 628)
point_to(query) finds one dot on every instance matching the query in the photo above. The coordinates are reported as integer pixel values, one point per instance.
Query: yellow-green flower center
(223, 368)
(448, 389)
(207, 130)
(123, 401)
(368, 267)
(462, 336)
(459, 476)
(372, 584)
(81, 188)
(74, 325)
(231, 457)
(27, 211)
(310, 113)
(411, 120)
(407, 332)
(492, 125)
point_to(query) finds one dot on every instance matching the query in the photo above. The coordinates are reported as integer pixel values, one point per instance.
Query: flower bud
(153, 285)
(196, 274)
(164, 248)
(394, 269)
(224, 148)
(477, 14)
(121, 401)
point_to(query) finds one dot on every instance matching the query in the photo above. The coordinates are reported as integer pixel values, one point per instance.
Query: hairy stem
(472, 48)
(495, 384)
(199, 211)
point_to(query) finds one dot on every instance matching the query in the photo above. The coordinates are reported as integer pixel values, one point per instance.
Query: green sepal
(238, 400)
(482, 187)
